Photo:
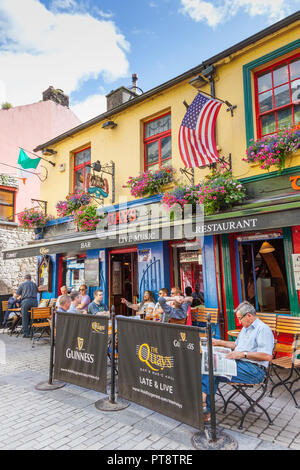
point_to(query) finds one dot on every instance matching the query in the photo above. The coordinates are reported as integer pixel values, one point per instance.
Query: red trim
(155, 138)
(223, 294)
(14, 191)
(123, 250)
(60, 273)
(296, 244)
(79, 167)
(274, 110)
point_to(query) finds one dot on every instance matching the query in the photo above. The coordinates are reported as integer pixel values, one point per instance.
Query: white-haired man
(252, 350)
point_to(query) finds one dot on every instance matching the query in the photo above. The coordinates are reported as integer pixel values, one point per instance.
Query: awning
(249, 220)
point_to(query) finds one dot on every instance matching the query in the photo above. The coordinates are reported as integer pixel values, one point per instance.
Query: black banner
(81, 350)
(160, 368)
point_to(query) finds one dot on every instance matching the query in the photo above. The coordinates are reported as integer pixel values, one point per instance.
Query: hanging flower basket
(72, 203)
(274, 150)
(33, 219)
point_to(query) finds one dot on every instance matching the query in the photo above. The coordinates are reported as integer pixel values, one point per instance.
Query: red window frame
(9, 189)
(79, 167)
(155, 138)
(259, 115)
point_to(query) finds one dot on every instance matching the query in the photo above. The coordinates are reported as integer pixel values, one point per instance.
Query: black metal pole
(112, 398)
(211, 380)
(52, 347)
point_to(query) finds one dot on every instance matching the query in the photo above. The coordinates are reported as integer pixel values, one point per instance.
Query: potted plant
(72, 203)
(273, 150)
(150, 182)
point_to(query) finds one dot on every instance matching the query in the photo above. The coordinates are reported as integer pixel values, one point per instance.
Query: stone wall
(12, 272)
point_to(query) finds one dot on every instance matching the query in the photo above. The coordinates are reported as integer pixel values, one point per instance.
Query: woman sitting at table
(147, 302)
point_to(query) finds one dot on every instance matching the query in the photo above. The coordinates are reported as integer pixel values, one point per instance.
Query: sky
(89, 47)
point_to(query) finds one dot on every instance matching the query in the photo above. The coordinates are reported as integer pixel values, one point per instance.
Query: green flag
(26, 163)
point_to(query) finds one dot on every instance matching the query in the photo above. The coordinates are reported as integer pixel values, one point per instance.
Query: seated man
(75, 301)
(252, 350)
(178, 312)
(12, 303)
(97, 307)
(64, 303)
(64, 291)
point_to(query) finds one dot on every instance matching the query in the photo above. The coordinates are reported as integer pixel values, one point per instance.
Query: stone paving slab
(67, 418)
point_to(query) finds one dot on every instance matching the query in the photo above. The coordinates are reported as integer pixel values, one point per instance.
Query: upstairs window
(82, 167)
(157, 143)
(277, 95)
(7, 204)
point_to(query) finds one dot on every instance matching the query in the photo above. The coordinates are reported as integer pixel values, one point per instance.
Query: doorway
(263, 275)
(123, 283)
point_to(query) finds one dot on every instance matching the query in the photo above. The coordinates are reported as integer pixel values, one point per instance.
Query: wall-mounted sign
(296, 269)
(97, 186)
(91, 272)
(45, 274)
(295, 182)
(145, 255)
(125, 216)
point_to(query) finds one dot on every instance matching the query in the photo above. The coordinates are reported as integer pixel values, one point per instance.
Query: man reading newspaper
(252, 351)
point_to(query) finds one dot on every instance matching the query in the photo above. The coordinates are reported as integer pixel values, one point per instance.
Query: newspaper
(222, 367)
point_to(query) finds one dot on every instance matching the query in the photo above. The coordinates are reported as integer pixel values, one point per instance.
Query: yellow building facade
(125, 143)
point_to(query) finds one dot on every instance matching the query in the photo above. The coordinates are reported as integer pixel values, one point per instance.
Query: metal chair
(290, 326)
(252, 399)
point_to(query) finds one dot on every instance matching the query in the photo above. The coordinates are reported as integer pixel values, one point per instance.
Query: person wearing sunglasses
(252, 351)
(84, 299)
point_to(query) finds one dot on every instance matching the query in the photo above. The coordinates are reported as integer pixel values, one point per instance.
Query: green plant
(6, 105)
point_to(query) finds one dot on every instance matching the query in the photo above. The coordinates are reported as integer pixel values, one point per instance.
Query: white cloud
(91, 107)
(39, 47)
(215, 12)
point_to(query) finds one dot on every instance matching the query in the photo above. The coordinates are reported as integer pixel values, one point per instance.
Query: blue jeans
(26, 305)
(247, 373)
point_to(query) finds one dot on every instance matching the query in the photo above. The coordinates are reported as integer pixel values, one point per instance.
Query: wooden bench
(199, 318)
(289, 326)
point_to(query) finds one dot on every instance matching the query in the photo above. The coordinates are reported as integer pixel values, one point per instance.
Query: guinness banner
(81, 350)
(160, 368)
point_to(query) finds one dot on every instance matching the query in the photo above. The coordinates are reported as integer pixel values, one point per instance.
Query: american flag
(197, 132)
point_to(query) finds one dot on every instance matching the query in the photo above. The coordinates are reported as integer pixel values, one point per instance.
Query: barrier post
(51, 384)
(111, 404)
(112, 398)
(212, 438)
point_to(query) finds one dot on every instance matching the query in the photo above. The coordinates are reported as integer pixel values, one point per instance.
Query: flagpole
(48, 161)
(26, 171)
(214, 97)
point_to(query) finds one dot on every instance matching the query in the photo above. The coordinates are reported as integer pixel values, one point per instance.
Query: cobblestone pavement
(67, 418)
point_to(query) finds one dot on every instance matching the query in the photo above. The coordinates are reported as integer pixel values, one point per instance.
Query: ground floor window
(263, 274)
(188, 267)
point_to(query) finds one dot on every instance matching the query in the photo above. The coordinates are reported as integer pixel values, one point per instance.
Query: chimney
(134, 82)
(56, 95)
